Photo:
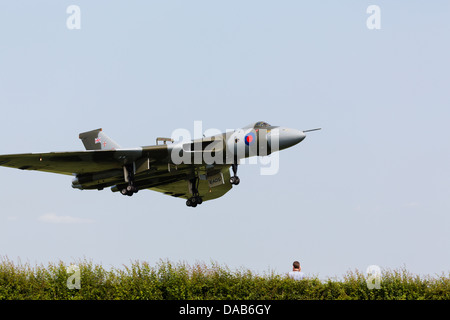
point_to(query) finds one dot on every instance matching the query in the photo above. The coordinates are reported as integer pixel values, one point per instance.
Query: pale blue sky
(372, 187)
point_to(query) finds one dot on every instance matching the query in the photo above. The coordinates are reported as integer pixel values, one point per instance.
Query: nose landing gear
(235, 179)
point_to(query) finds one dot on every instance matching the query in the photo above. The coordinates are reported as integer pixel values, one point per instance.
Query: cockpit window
(257, 125)
(262, 124)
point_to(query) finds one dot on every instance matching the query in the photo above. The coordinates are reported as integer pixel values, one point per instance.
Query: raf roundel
(250, 138)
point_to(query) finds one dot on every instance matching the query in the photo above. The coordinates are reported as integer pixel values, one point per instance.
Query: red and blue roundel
(250, 138)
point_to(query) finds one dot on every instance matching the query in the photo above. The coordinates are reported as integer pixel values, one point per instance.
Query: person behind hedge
(296, 272)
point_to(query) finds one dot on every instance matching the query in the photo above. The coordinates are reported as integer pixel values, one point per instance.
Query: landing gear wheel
(194, 201)
(130, 189)
(235, 180)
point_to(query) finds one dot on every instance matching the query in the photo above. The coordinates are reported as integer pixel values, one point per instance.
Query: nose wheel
(234, 179)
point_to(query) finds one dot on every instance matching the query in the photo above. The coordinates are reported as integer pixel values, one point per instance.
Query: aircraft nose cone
(290, 137)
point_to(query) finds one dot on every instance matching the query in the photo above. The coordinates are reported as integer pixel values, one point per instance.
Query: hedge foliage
(176, 281)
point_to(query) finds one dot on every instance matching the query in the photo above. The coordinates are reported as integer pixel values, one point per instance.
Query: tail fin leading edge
(97, 140)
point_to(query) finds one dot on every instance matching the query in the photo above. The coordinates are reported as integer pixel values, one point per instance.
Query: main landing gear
(235, 179)
(131, 188)
(195, 199)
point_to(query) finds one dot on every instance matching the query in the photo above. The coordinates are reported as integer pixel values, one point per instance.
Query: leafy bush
(169, 281)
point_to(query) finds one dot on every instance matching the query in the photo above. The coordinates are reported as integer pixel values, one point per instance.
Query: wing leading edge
(104, 168)
(69, 163)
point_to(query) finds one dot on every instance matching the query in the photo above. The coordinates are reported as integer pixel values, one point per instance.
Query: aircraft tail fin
(97, 140)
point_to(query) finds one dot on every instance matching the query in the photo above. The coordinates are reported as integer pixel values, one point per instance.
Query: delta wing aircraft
(197, 170)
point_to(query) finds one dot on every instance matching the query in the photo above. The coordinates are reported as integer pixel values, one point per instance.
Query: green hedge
(200, 281)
